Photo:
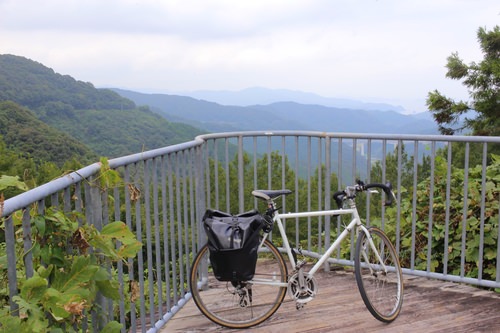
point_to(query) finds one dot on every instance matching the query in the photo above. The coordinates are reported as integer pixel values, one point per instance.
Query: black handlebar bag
(233, 241)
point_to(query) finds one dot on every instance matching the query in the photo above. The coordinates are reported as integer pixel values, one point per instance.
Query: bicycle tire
(382, 292)
(228, 303)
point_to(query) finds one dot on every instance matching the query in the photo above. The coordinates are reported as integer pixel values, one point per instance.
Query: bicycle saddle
(269, 194)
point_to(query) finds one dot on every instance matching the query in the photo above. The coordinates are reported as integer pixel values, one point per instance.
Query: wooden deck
(429, 306)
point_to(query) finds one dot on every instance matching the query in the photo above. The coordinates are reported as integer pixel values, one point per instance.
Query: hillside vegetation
(23, 132)
(108, 124)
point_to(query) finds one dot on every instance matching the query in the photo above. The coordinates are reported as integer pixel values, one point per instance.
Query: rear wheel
(380, 281)
(240, 304)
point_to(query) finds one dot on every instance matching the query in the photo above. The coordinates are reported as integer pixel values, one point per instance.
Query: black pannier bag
(233, 241)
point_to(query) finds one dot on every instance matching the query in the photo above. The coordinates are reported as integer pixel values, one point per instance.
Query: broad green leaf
(120, 231)
(102, 274)
(112, 327)
(81, 272)
(129, 250)
(109, 289)
(53, 302)
(12, 181)
(10, 323)
(44, 272)
(35, 316)
(34, 288)
(40, 225)
(105, 245)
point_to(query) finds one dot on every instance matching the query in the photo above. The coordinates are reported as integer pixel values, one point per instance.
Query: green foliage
(449, 220)
(42, 87)
(482, 80)
(24, 133)
(11, 181)
(72, 262)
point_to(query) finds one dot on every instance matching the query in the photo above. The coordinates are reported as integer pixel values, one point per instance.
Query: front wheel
(379, 275)
(240, 304)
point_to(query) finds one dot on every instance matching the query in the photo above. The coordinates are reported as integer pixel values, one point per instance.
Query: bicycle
(243, 304)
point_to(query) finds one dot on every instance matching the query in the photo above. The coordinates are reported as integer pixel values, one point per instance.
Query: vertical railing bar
(119, 264)
(368, 178)
(192, 183)
(54, 200)
(228, 188)
(328, 171)
(283, 153)
(77, 197)
(67, 199)
(465, 209)
(447, 211)
(340, 147)
(255, 185)
(10, 244)
(27, 243)
(106, 302)
(180, 290)
(320, 195)
(207, 175)
(157, 238)
(296, 190)
(128, 221)
(216, 176)
(269, 163)
(398, 201)
(165, 219)
(384, 166)
(351, 181)
(172, 226)
(186, 217)
(241, 179)
(483, 209)
(309, 175)
(93, 199)
(140, 258)
(431, 207)
(283, 199)
(414, 203)
(149, 245)
(354, 160)
(200, 192)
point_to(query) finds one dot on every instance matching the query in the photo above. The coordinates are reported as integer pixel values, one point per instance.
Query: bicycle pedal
(299, 306)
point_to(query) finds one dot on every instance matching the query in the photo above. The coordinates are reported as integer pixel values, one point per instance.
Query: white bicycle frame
(355, 223)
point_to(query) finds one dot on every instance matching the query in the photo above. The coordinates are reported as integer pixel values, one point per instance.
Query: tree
(483, 82)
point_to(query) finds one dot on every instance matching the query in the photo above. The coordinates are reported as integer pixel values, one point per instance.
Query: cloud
(360, 49)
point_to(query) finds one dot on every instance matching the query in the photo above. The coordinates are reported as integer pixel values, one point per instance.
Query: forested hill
(39, 88)
(108, 124)
(23, 132)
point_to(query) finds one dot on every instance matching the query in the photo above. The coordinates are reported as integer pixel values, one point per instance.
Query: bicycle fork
(374, 249)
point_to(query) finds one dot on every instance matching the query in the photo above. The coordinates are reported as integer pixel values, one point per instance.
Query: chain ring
(305, 295)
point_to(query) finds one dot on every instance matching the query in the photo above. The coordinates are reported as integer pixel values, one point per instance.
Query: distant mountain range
(264, 96)
(283, 115)
(115, 122)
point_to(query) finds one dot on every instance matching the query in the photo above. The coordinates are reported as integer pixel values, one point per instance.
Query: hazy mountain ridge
(215, 117)
(265, 96)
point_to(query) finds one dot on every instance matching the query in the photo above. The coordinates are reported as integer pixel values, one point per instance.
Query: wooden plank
(429, 305)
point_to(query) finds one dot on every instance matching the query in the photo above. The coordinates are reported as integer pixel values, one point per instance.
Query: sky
(391, 51)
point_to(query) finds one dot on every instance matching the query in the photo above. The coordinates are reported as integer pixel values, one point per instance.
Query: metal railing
(166, 191)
